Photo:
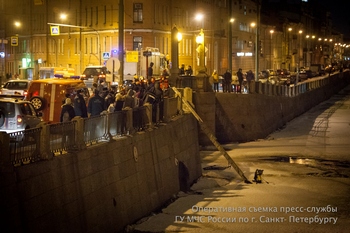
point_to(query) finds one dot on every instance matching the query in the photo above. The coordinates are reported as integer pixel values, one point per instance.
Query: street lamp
(229, 44)
(176, 37)
(202, 77)
(256, 51)
(298, 54)
(201, 50)
(200, 42)
(271, 55)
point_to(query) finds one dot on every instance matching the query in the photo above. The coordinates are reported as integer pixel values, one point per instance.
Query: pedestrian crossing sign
(14, 40)
(55, 30)
(106, 55)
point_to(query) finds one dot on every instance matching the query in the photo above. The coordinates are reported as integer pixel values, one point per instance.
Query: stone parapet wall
(104, 187)
(248, 117)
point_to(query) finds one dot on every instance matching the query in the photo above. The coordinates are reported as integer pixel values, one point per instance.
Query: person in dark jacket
(228, 81)
(240, 79)
(67, 111)
(96, 105)
(80, 105)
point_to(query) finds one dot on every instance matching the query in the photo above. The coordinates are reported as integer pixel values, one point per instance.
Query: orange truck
(47, 95)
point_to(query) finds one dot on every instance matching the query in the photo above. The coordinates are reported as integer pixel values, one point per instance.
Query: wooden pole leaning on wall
(212, 138)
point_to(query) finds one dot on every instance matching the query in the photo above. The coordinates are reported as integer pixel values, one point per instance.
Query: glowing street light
(254, 25)
(176, 37)
(17, 24)
(201, 50)
(63, 16)
(271, 55)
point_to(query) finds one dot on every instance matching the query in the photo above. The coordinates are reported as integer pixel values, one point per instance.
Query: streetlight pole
(174, 71)
(298, 60)
(257, 38)
(271, 55)
(202, 77)
(256, 51)
(201, 50)
(229, 37)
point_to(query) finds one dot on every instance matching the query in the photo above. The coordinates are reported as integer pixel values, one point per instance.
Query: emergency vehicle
(47, 95)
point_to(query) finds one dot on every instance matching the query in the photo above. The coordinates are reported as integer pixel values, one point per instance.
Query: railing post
(45, 152)
(148, 115)
(79, 133)
(108, 136)
(129, 120)
(251, 87)
(5, 158)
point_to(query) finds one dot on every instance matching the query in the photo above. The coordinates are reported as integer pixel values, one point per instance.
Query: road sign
(110, 62)
(132, 56)
(55, 30)
(106, 55)
(147, 53)
(14, 40)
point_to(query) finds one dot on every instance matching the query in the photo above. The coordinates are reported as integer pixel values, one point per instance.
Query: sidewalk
(305, 184)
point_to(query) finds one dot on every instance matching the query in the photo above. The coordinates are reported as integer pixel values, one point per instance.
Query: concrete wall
(247, 117)
(103, 188)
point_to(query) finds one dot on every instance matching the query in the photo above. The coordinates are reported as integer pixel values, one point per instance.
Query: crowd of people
(106, 99)
(229, 84)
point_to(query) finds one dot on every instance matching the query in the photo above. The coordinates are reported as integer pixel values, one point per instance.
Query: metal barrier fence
(54, 139)
(62, 136)
(24, 146)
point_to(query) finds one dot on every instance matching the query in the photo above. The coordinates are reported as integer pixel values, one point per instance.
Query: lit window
(138, 16)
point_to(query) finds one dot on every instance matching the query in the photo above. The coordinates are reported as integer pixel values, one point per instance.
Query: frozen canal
(305, 183)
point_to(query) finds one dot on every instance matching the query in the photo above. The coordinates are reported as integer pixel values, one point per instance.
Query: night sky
(340, 12)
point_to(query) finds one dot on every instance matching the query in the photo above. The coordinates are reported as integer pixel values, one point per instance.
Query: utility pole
(121, 41)
(229, 37)
(257, 39)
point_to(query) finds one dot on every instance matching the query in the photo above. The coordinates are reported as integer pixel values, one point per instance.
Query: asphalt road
(305, 182)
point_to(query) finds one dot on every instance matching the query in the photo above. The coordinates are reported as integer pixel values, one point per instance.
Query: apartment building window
(86, 46)
(60, 46)
(76, 45)
(105, 15)
(96, 22)
(138, 12)
(137, 42)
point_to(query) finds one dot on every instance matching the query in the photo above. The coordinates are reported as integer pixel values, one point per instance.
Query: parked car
(317, 69)
(284, 77)
(97, 74)
(16, 115)
(15, 88)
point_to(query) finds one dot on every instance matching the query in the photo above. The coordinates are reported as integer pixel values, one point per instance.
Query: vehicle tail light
(19, 120)
(35, 93)
(102, 76)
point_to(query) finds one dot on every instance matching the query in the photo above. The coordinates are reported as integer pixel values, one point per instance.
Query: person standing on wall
(228, 81)
(215, 81)
(240, 80)
(250, 78)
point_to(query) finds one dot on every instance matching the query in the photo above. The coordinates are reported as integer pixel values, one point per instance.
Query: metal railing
(54, 139)
(24, 146)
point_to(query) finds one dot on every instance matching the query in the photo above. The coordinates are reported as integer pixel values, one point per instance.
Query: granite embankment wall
(104, 187)
(247, 117)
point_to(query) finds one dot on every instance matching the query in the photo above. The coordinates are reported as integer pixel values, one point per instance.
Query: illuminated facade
(93, 34)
